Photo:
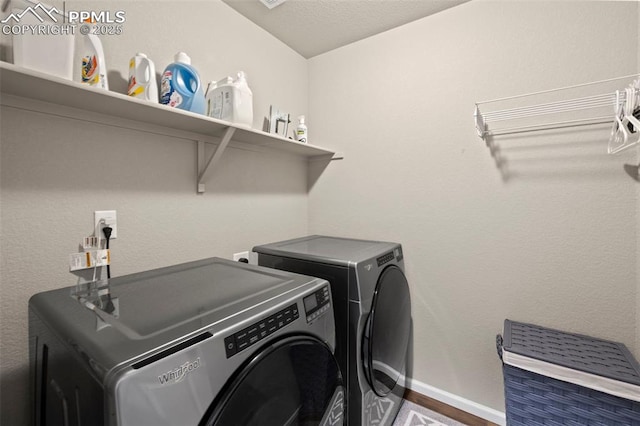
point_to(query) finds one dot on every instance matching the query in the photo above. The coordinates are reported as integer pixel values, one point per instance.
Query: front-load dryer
(211, 342)
(373, 315)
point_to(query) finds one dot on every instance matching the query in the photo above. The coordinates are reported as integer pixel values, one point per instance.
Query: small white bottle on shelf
(242, 101)
(301, 130)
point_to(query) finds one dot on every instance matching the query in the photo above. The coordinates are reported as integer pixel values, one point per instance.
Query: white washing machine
(211, 342)
(372, 306)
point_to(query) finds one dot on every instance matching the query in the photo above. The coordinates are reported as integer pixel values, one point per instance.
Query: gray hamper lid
(578, 352)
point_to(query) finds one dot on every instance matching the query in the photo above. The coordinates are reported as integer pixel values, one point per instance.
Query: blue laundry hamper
(557, 378)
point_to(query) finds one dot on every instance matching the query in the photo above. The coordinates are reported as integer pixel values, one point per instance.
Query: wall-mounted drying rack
(620, 108)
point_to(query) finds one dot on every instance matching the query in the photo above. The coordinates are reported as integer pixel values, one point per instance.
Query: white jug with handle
(142, 78)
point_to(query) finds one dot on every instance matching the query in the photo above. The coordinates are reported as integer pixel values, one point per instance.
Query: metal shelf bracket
(204, 169)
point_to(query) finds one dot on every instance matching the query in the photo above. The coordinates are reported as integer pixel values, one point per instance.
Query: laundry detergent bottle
(142, 78)
(242, 101)
(94, 69)
(219, 99)
(181, 87)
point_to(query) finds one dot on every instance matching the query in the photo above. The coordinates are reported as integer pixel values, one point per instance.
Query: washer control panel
(317, 303)
(248, 336)
(385, 258)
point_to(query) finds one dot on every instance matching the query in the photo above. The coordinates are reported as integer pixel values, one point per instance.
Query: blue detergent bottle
(181, 87)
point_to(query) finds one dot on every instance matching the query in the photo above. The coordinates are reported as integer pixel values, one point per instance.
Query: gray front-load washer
(211, 342)
(373, 315)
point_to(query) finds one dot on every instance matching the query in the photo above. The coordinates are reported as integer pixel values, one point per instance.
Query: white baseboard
(495, 416)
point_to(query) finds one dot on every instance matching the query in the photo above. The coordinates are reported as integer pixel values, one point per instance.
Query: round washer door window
(386, 335)
(294, 381)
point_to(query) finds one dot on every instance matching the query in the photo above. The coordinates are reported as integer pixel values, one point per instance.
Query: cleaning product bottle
(301, 130)
(242, 99)
(142, 78)
(219, 99)
(181, 87)
(94, 69)
(208, 96)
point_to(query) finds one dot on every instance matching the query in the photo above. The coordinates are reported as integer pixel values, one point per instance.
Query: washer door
(386, 334)
(294, 381)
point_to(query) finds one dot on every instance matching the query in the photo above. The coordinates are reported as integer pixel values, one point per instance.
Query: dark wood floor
(446, 410)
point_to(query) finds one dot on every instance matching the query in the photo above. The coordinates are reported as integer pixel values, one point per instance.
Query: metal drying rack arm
(613, 100)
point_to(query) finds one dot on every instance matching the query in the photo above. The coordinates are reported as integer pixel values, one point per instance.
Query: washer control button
(230, 346)
(272, 326)
(259, 330)
(243, 345)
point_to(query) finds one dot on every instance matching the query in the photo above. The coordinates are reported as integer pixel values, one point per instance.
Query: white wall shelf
(30, 89)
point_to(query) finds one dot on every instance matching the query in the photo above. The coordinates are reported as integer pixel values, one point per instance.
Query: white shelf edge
(34, 85)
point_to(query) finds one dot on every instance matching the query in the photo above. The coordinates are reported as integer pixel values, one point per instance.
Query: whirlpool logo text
(177, 375)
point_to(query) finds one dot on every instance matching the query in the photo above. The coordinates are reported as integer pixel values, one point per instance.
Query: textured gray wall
(554, 244)
(56, 171)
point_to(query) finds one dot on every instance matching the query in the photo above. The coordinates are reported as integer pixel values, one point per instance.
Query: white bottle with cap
(142, 78)
(219, 99)
(301, 130)
(208, 96)
(242, 99)
(93, 69)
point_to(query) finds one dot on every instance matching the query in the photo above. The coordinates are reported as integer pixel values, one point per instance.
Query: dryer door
(294, 381)
(387, 331)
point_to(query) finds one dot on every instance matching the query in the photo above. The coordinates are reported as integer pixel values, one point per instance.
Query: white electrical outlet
(109, 218)
(238, 256)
